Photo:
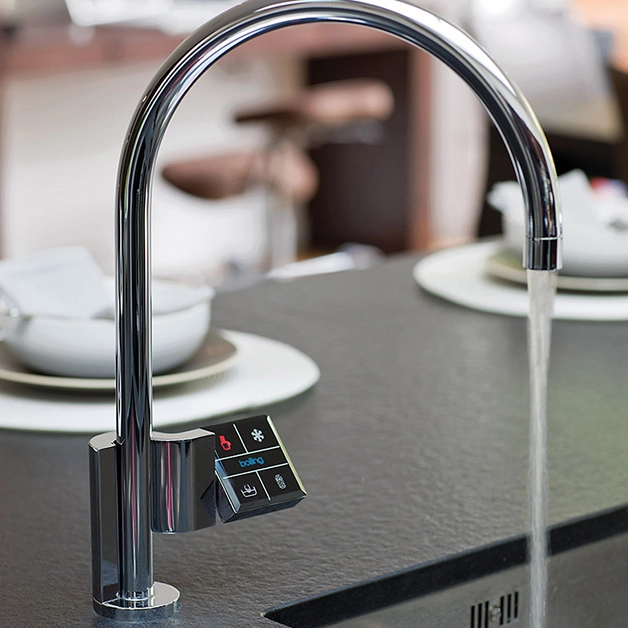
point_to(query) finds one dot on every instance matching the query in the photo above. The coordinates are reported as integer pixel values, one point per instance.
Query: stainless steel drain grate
(487, 613)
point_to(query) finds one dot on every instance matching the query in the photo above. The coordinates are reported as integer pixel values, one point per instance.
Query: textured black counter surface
(413, 446)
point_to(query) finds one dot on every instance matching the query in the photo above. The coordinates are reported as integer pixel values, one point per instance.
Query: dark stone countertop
(413, 446)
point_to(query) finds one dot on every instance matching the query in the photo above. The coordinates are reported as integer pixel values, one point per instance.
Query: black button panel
(255, 474)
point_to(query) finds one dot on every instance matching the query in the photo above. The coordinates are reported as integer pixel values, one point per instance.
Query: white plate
(215, 356)
(266, 372)
(458, 275)
(507, 265)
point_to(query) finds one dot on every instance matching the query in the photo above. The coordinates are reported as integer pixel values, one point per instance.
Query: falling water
(541, 290)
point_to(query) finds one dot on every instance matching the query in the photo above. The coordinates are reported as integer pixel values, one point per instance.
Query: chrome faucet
(127, 476)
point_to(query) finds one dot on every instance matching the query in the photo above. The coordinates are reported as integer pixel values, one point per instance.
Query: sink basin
(488, 586)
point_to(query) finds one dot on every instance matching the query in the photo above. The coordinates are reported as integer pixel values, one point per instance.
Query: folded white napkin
(56, 282)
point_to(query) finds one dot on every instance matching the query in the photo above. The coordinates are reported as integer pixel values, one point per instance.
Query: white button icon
(248, 491)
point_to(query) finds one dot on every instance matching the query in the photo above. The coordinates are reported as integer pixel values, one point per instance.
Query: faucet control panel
(255, 474)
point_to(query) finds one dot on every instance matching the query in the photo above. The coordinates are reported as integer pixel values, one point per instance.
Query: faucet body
(138, 596)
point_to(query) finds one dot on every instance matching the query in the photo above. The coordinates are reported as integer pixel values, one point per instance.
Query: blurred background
(412, 177)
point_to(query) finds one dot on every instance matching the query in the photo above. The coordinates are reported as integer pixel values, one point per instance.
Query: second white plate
(506, 265)
(458, 275)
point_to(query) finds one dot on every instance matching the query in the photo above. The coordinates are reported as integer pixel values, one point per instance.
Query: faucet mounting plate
(163, 603)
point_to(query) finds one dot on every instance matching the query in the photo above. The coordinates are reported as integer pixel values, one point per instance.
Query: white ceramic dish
(507, 265)
(458, 275)
(595, 229)
(85, 347)
(589, 250)
(266, 372)
(215, 356)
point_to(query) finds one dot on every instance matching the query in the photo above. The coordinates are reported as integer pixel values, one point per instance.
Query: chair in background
(286, 173)
(341, 111)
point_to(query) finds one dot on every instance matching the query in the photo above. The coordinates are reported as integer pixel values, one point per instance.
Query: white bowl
(595, 228)
(79, 347)
(589, 250)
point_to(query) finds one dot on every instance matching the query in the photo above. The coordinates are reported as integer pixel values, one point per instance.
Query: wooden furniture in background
(619, 78)
(377, 195)
(611, 16)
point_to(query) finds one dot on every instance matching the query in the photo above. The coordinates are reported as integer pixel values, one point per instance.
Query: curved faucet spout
(506, 106)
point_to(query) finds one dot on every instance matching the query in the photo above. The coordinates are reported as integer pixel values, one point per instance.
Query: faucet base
(163, 603)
